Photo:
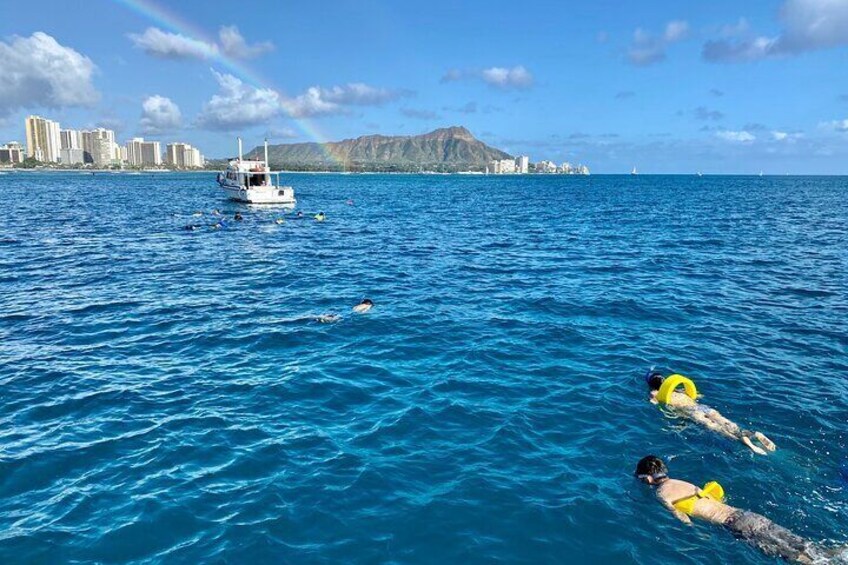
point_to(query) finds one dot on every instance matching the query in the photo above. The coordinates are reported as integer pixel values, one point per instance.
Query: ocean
(168, 395)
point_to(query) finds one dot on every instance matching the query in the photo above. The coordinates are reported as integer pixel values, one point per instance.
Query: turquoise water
(166, 395)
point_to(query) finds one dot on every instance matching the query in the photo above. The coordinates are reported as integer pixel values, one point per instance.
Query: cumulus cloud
(647, 48)
(38, 71)
(318, 101)
(238, 105)
(234, 45)
(517, 77)
(167, 45)
(807, 25)
(159, 114)
(736, 136)
(419, 114)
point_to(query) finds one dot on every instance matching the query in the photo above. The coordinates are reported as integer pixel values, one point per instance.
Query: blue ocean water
(168, 397)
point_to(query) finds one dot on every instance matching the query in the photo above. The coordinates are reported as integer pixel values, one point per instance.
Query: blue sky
(718, 87)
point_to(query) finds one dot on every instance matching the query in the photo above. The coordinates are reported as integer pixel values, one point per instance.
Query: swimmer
(197, 214)
(238, 217)
(328, 318)
(708, 417)
(299, 214)
(216, 212)
(191, 227)
(279, 221)
(217, 226)
(320, 217)
(686, 501)
(363, 306)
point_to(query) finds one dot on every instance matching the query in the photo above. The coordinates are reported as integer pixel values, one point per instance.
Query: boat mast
(267, 168)
(239, 143)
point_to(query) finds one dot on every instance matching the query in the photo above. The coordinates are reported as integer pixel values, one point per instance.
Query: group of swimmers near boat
(221, 220)
(686, 501)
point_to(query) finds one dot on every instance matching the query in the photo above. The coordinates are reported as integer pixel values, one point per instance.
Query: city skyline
(719, 89)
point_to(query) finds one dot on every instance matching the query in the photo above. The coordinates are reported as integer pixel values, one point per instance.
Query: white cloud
(318, 101)
(234, 45)
(736, 136)
(38, 71)
(807, 25)
(677, 30)
(835, 125)
(167, 45)
(647, 48)
(159, 114)
(238, 105)
(517, 77)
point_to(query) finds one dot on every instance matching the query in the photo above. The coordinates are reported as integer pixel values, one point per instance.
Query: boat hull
(279, 195)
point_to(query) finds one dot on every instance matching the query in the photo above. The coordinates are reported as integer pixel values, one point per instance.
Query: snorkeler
(686, 501)
(663, 392)
(279, 221)
(238, 217)
(299, 214)
(363, 306)
(320, 217)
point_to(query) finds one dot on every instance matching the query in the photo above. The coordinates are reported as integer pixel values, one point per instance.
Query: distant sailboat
(633, 172)
(761, 173)
(700, 174)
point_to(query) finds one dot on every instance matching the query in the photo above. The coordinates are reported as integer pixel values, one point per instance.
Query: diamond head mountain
(443, 150)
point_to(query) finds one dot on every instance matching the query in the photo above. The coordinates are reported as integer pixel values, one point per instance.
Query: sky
(666, 86)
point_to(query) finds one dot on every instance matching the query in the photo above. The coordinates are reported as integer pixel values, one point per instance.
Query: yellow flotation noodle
(671, 383)
(711, 490)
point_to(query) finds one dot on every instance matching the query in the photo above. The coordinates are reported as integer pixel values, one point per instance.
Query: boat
(251, 181)
(633, 172)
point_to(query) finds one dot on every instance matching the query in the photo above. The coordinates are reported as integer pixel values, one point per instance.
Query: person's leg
(768, 537)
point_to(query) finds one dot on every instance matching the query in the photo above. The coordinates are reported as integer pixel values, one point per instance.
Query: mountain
(446, 149)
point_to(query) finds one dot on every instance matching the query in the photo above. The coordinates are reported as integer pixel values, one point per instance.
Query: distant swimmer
(687, 501)
(363, 306)
(216, 212)
(279, 221)
(238, 217)
(197, 214)
(328, 318)
(299, 214)
(320, 217)
(663, 391)
(217, 226)
(191, 227)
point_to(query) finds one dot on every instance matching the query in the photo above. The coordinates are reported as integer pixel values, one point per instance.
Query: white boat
(633, 172)
(253, 182)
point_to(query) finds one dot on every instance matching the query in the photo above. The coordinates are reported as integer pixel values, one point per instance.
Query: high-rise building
(106, 147)
(71, 156)
(70, 139)
(142, 153)
(43, 140)
(522, 164)
(183, 156)
(12, 152)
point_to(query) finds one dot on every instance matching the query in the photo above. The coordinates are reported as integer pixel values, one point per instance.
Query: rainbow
(175, 24)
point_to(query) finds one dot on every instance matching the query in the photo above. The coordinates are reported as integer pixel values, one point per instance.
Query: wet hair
(654, 380)
(651, 466)
(367, 301)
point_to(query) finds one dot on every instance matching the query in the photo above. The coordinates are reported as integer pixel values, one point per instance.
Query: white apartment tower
(142, 153)
(183, 156)
(43, 139)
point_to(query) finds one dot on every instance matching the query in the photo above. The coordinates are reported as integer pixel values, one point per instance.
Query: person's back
(687, 501)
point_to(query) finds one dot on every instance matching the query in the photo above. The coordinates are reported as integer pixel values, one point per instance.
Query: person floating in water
(238, 217)
(663, 392)
(320, 217)
(279, 221)
(686, 501)
(299, 214)
(363, 306)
